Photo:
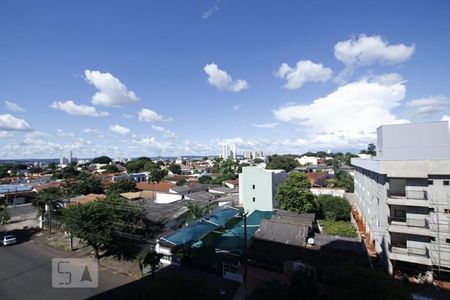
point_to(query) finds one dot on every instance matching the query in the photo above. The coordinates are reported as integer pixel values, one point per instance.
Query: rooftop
(86, 199)
(282, 232)
(156, 187)
(162, 212)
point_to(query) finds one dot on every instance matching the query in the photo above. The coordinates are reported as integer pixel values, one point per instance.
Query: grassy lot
(342, 228)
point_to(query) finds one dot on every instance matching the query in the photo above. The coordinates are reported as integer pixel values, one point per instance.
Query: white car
(8, 240)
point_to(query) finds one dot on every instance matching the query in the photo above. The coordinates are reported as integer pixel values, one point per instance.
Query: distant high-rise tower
(225, 151)
(70, 156)
(233, 151)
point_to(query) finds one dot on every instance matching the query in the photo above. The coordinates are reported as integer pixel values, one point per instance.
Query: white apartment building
(307, 160)
(228, 152)
(403, 196)
(257, 188)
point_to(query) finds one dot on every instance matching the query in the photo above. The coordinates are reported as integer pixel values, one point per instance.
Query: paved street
(25, 273)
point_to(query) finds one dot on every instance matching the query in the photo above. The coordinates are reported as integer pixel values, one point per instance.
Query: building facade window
(253, 186)
(253, 199)
(445, 182)
(430, 182)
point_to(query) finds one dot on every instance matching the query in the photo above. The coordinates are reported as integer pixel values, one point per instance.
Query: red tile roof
(157, 187)
(88, 198)
(41, 187)
(313, 176)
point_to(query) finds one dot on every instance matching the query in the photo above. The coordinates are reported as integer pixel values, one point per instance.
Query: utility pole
(244, 215)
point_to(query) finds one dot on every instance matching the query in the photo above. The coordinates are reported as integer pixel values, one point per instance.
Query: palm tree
(197, 211)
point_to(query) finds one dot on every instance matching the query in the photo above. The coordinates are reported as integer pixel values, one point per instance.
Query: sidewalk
(62, 242)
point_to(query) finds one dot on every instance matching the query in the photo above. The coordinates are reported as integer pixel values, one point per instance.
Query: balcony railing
(409, 193)
(399, 248)
(411, 222)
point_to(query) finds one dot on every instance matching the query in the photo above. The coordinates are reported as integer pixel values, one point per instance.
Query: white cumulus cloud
(351, 113)
(72, 108)
(9, 122)
(429, 106)
(221, 80)
(304, 71)
(148, 115)
(111, 92)
(119, 129)
(12, 106)
(265, 125)
(366, 50)
(166, 132)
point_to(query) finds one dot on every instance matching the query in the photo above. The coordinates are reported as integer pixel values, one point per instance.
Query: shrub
(340, 228)
(333, 208)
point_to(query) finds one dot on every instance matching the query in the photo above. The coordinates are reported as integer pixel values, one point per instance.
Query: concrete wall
(413, 141)
(257, 188)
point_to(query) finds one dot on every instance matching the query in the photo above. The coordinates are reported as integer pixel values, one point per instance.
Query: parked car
(8, 240)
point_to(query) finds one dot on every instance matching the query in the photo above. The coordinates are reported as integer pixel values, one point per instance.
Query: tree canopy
(175, 169)
(123, 186)
(110, 169)
(333, 208)
(88, 185)
(294, 195)
(285, 162)
(102, 160)
(137, 165)
(112, 224)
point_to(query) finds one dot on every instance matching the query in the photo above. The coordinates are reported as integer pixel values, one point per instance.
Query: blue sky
(183, 77)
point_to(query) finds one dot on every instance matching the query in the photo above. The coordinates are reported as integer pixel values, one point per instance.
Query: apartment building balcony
(413, 196)
(419, 254)
(409, 225)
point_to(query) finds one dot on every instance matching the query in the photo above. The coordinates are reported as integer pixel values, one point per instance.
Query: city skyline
(184, 78)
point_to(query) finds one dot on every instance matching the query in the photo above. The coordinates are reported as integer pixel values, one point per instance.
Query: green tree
(104, 224)
(137, 165)
(228, 168)
(371, 149)
(181, 181)
(258, 161)
(123, 186)
(205, 179)
(285, 162)
(294, 195)
(197, 211)
(110, 168)
(157, 174)
(69, 172)
(102, 160)
(344, 180)
(221, 178)
(4, 215)
(175, 169)
(149, 258)
(50, 199)
(87, 186)
(333, 208)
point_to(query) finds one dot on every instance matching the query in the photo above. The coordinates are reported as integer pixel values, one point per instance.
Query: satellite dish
(310, 241)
